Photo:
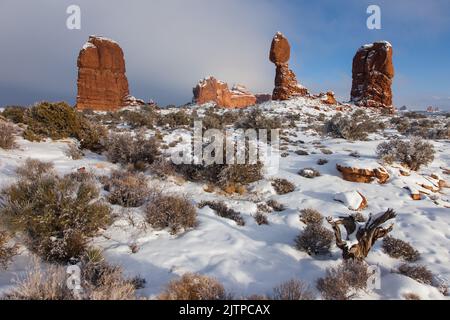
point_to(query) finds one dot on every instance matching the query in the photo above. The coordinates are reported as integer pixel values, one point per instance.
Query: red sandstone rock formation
(363, 175)
(102, 83)
(373, 73)
(286, 84)
(213, 90)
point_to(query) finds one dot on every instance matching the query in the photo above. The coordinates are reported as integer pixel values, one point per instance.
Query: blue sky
(170, 44)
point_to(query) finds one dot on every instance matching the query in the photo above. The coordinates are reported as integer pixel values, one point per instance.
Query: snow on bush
(413, 153)
(309, 173)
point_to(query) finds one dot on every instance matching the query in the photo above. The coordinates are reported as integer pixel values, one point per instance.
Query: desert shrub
(356, 127)
(301, 152)
(419, 273)
(315, 240)
(57, 214)
(261, 219)
(414, 153)
(292, 290)
(7, 136)
(127, 189)
(162, 168)
(14, 113)
(411, 296)
(339, 282)
(100, 281)
(60, 121)
(135, 151)
(397, 248)
(309, 173)
(173, 212)
(427, 129)
(74, 152)
(175, 119)
(326, 151)
(222, 210)
(276, 206)
(194, 287)
(256, 119)
(7, 250)
(311, 216)
(143, 118)
(283, 186)
(322, 162)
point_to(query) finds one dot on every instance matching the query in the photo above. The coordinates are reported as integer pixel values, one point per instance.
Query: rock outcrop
(218, 92)
(373, 73)
(102, 83)
(362, 174)
(286, 84)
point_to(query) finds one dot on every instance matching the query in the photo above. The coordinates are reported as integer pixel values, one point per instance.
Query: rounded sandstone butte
(213, 90)
(102, 83)
(373, 74)
(280, 51)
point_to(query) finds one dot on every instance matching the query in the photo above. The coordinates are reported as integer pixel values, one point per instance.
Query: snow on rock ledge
(362, 171)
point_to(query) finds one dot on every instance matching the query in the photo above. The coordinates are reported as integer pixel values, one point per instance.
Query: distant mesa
(216, 91)
(286, 84)
(102, 83)
(373, 74)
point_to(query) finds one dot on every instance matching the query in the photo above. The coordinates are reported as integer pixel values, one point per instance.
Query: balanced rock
(373, 73)
(286, 84)
(218, 92)
(102, 83)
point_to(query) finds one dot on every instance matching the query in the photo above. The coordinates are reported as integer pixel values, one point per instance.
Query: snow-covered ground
(253, 259)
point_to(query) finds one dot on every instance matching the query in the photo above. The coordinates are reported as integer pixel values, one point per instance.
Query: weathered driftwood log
(361, 236)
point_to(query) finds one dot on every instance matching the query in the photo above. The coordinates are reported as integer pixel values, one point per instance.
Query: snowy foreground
(253, 259)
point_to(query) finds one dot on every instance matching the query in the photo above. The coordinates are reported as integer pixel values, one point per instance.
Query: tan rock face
(102, 83)
(286, 84)
(373, 73)
(362, 175)
(213, 90)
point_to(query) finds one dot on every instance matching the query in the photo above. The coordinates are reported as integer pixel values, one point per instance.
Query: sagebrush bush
(194, 287)
(292, 290)
(162, 168)
(413, 153)
(315, 240)
(256, 119)
(60, 121)
(7, 250)
(100, 281)
(127, 189)
(222, 210)
(57, 214)
(261, 219)
(73, 152)
(356, 127)
(322, 162)
(340, 283)
(128, 150)
(172, 212)
(397, 248)
(7, 136)
(283, 186)
(175, 119)
(142, 118)
(419, 273)
(311, 216)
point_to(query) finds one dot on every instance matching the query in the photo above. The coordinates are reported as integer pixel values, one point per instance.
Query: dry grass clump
(419, 273)
(7, 250)
(261, 219)
(194, 287)
(311, 216)
(7, 136)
